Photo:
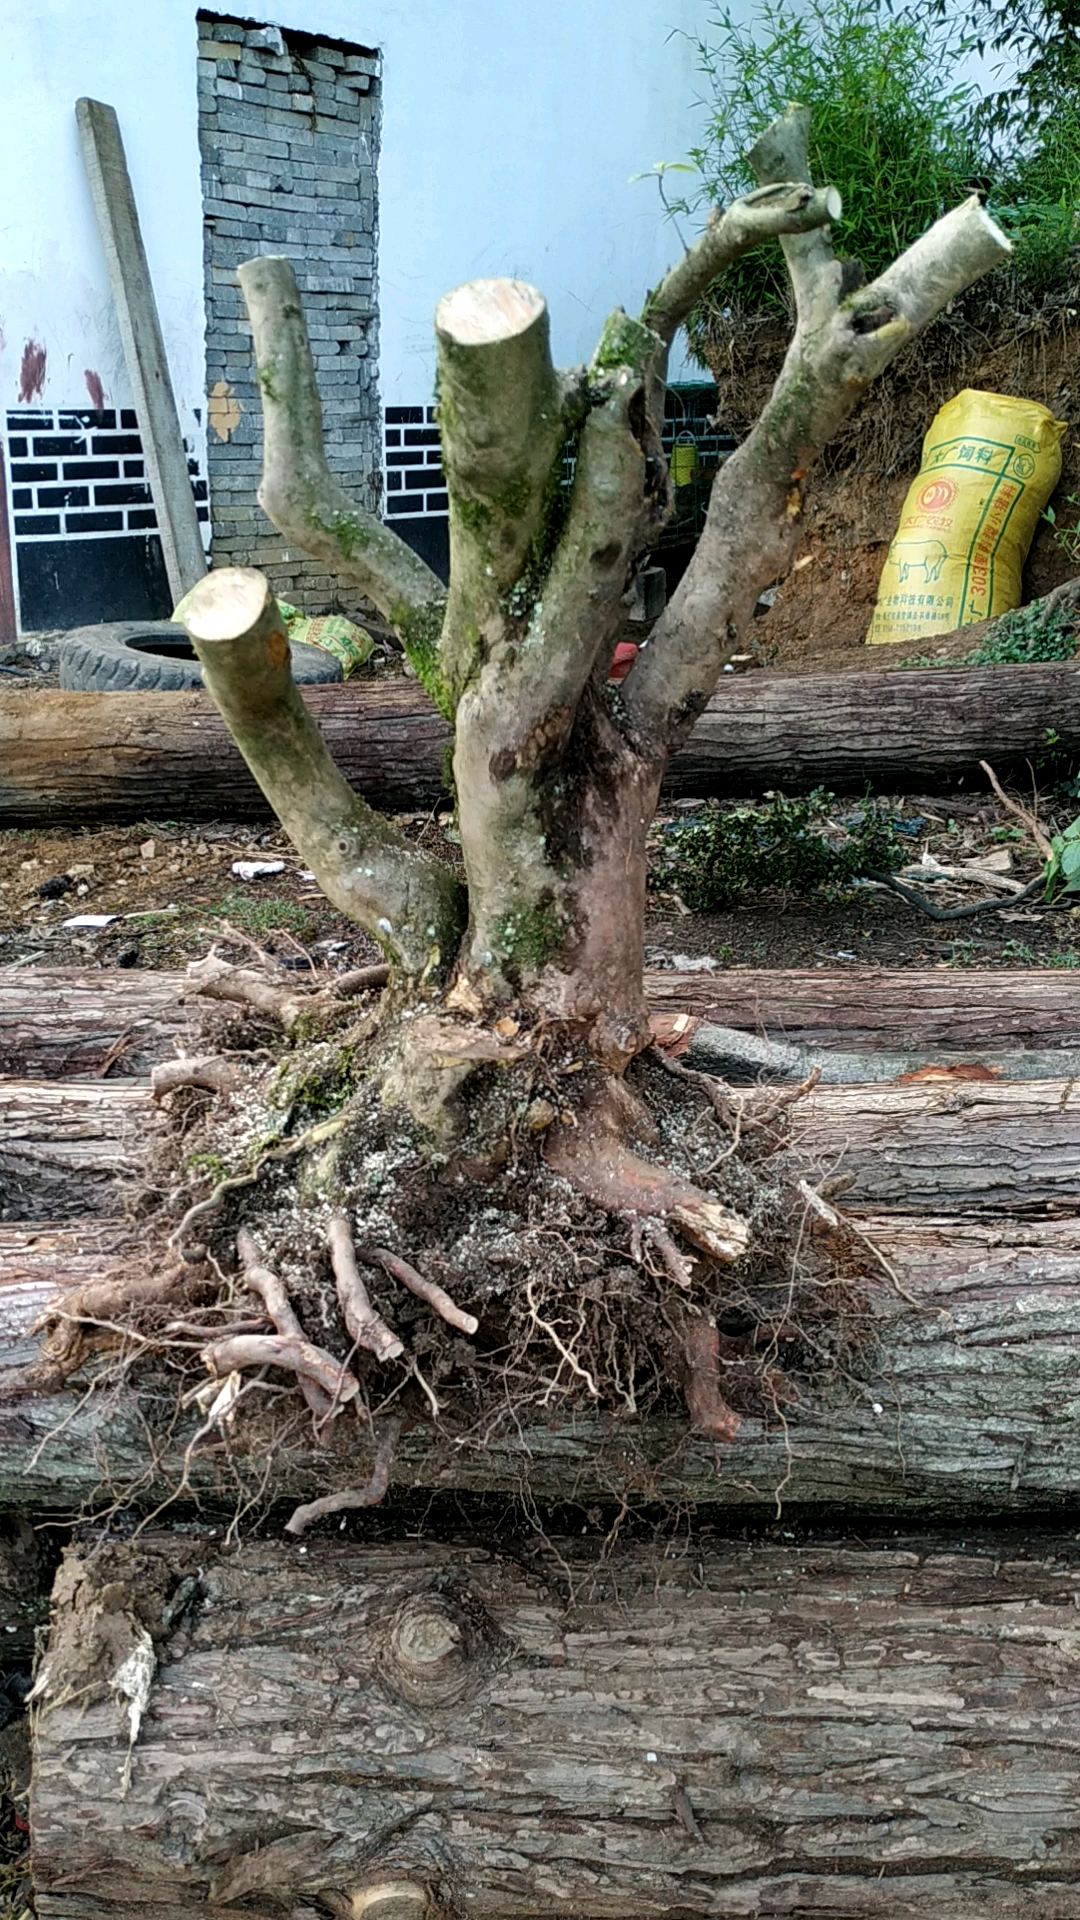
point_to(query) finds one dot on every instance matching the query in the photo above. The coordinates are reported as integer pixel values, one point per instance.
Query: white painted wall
(510, 130)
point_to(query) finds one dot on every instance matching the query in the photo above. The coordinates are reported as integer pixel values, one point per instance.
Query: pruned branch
(410, 904)
(755, 516)
(209, 1071)
(300, 494)
(788, 206)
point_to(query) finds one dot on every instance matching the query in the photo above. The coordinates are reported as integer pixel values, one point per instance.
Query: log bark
(119, 756)
(965, 1011)
(880, 1732)
(64, 1145)
(964, 1147)
(66, 1022)
(962, 1401)
(71, 1022)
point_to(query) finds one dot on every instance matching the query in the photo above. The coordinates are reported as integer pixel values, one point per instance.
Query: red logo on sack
(937, 495)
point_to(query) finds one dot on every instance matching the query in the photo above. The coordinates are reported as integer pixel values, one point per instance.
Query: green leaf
(1070, 859)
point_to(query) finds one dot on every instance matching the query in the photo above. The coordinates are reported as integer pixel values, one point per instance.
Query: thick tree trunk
(878, 1732)
(70, 1022)
(119, 756)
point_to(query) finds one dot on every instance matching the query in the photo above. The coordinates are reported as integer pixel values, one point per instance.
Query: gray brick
(253, 148)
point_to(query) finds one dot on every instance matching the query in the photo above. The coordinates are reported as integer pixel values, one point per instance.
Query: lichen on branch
(412, 905)
(298, 491)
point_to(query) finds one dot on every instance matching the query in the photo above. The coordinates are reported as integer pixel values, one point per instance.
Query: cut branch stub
(386, 1900)
(502, 412)
(412, 905)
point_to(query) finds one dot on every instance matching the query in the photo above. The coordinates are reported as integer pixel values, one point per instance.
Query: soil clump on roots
(306, 1239)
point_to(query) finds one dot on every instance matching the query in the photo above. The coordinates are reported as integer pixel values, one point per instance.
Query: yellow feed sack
(989, 466)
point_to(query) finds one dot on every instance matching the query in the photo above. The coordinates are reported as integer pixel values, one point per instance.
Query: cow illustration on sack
(913, 556)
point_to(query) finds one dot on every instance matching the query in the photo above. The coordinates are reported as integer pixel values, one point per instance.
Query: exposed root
(360, 980)
(437, 1297)
(367, 1327)
(626, 1244)
(709, 1411)
(271, 1291)
(567, 1354)
(207, 1070)
(216, 979)
(297, 1355)
(679, 1267)
(68, 1320)
(350, 1498)
(596, 1160)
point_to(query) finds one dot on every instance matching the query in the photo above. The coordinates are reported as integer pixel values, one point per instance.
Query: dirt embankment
(821, 612)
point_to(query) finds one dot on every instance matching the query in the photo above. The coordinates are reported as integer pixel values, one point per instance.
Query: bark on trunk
(968, 1147)
(119, 756)
(69, 1022)
(878, 1732)
(962, 1401)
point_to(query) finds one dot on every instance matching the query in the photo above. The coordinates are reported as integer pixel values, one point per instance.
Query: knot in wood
(430, 1655)
(389, 1900)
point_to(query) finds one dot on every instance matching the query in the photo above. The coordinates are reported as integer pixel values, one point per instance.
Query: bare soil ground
(173, 892)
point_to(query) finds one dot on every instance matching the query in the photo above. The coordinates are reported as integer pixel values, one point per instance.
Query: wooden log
(64, 1144)
(873, 1731)
(64, 1023)
(67, 1022)
(963, 1401)
(145, 359)
(121, 756)
(963, 1010)
(964, 1147)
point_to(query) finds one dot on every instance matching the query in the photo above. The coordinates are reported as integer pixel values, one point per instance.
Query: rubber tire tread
(102, 660)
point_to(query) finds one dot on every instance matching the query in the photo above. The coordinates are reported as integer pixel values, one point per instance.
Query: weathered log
(968, 1147)
(963, 1010)
(63, 1023)
(63, 1145)
(70, 1022)
(880, 1732)
(962, 1400)
(122, 756)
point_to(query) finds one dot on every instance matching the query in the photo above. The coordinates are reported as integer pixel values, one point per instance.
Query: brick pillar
(288, 126)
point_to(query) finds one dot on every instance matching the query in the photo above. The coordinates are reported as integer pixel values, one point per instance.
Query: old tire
(155, 656)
